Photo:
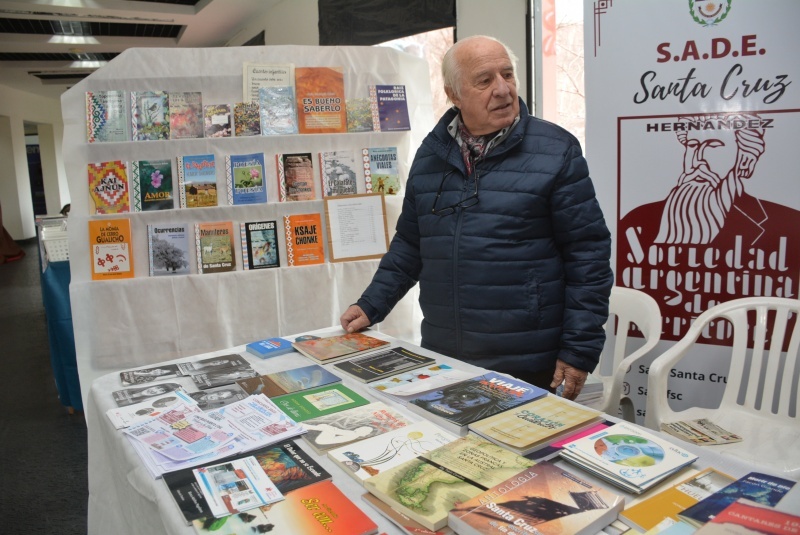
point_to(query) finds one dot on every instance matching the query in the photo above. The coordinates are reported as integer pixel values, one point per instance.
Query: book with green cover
(307, 404)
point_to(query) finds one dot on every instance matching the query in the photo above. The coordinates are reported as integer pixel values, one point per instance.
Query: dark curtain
(368, 22)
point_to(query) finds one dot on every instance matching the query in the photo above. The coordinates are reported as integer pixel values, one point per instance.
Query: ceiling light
(73, 40)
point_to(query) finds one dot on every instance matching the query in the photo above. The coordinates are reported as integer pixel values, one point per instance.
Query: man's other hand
(354, 319)
(573, 379)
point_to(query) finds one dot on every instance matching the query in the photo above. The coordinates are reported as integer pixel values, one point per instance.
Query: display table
(125, 499)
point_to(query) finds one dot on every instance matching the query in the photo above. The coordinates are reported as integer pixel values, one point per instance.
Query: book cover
(278, 111)
(428, 487)
(337, 171)
(330, 348)
(543, 499)
(307, 404)
(389, 108)
(404, 522)
(380, 170)
(220, 396)
(345, 427)
(122, 417)
(359, 115)
(137, 394)
(106, 116)
(412, 378)
(110, 249)
(152, 185)
(235, 486)
(320, 100)
(108, 187)
(185, 115)
(288, 381)
(217, 120)
(149, 115)
(168, 249)
(245, 178)
(296, 177)
(148, 375)
(222, 376)
(383, 364)
(212, 363)
(259, 244)
(318, 509)
(757, 487)
(552, 450)
(214, 245)
(256, 76)
(534, 424)
(304, 246)
(649, 512)
(269, 347)
(197, 180)
(747, 518)
(455, 407)
(246, 119)
(702, 432)
(370, 456)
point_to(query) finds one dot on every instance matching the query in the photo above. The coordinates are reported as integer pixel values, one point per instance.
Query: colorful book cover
(269, 347)
(296, 177)
(543, 499)
(552, 450)
(307, 404)
(197, 181)
(330, 348)
(108, 187)
(389, 108)
(217, 120)
(185, 115)
(149, 115)
(289, 381)
(168, 249)
(345, 427)
(380, 170)
(152, 185)
(246, 119)
(214, 244)
(278, 111)
(106, 116)
(235, 486)
(257, 76)
(359, 115)
(260, 244)
(410, 377)
(245, 178)
(337, 171)
(321, 107)
(110, 249)
(745, 518)
(304, 246)
(382, 364)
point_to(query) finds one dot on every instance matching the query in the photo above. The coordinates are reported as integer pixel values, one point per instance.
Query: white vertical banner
(692, 121)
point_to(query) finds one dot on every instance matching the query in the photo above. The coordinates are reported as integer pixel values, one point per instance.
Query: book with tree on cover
(345, 427)
(380, 170)
(259, 244)
(244, 175)
(197, 180)
(185, 115)
(455, 407)
(296, 177)
(757, 487)
(110, 249)
(246, 119)
(373, 455)
(337, 172)
(214, 247)
(359, 115)
(382, 364)
(257, 76)
(428, 487)
(168, 249)
(106, 116)
(321, 106)
(108, 187)
(288, 381)
(315, 402)
(149, 115)
(318, 509)
(269, 347)
(649, 512)
(530, 426)
(746, 518)
(304, 245)
(152, 185)
(389, 108)
(217, 121)
(542, 499)
(278, 111)
(331, 348)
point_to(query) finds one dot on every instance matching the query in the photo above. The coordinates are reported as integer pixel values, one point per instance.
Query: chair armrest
(657, 403)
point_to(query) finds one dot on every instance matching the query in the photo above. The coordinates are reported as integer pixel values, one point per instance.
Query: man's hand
(354, 319)
(573, 379)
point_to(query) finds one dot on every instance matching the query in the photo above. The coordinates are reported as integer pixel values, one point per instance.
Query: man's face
(488, 96)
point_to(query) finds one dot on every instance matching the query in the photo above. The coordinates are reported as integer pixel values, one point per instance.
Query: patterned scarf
(473, 148)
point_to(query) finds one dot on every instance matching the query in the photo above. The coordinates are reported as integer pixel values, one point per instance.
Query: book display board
(145, 319)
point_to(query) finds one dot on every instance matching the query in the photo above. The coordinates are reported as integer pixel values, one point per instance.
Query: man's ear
(452, 96)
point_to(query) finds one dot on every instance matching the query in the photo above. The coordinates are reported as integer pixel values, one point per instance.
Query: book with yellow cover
(320, 100)
(110, 249)
(108, 187)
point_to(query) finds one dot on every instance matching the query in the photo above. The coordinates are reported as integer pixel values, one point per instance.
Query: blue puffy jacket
(518, 279)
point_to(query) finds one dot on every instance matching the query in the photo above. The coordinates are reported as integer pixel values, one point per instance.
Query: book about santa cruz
(214, 243)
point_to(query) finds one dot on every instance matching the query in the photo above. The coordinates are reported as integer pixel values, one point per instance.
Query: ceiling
(46, 46)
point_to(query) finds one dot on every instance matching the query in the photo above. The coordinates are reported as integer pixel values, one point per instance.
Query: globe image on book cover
(629, 450)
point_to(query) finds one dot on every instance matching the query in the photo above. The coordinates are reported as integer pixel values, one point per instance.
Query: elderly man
(501, 228)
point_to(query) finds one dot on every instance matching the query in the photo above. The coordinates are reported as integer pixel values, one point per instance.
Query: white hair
(451, 68)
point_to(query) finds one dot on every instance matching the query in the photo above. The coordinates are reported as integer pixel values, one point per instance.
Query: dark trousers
(542, 378)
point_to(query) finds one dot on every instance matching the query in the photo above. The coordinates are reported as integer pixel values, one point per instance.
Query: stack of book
(289, 381)
(333, 348)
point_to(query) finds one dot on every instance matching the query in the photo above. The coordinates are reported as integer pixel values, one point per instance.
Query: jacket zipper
(456, 239)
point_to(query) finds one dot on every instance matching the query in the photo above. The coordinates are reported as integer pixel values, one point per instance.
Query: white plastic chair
(628, 307)
(760, 402)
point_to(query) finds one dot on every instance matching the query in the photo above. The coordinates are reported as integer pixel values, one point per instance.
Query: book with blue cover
(288, 381)
(245, 178)
(269, 347)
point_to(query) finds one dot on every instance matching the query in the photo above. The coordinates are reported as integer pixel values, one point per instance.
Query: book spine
(137, 186)
(287, 224)
(229, 179)
(281, 177)
(150, 247)
(181, 182)
(367, 169)
(198, 249)
(373, 104)
(245, 247)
